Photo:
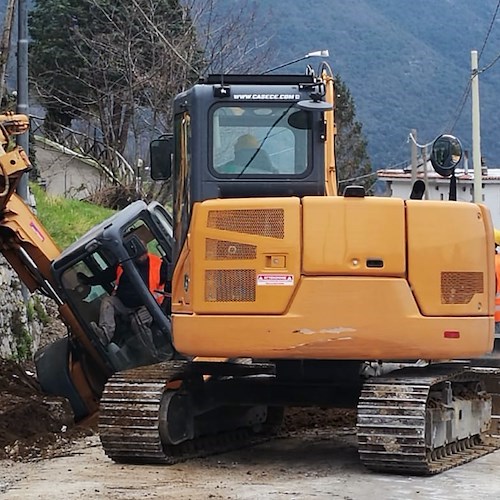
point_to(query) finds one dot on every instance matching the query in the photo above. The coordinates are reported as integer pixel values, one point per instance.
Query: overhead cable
(465, 95)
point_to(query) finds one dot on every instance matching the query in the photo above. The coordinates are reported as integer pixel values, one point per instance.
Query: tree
(107, 61)
(233, 40)
(353, 162)
(119, 64)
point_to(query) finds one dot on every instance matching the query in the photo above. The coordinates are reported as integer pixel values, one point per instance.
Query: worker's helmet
(247, 141)
(497, 237)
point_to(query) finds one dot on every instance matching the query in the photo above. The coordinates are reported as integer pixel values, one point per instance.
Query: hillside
(407, 64)
(406, 67)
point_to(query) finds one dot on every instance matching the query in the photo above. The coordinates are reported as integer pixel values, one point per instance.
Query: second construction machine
(278, 292)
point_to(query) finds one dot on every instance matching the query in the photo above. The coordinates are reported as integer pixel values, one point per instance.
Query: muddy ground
(34, 425)
(319, 464)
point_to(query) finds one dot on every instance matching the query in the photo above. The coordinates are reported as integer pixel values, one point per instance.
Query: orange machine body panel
(336, 278)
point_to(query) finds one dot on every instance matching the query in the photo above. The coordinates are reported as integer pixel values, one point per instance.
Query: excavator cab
(231, 141)
(84, 275)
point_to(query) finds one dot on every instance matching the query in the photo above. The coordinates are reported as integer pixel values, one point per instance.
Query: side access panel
(354, 236)
(450, 258)
(242, 256)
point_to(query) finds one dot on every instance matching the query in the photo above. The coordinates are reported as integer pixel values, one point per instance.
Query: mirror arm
(453, 187)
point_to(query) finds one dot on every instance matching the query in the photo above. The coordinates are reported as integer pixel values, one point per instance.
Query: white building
(399, 186)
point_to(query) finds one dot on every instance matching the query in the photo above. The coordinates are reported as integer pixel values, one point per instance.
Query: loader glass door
(92, 285)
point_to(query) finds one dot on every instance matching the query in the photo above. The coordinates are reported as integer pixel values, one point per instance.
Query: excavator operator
(248, 152)
(124, 299)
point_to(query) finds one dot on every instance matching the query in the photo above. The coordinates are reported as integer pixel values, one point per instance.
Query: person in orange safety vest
(124, 300)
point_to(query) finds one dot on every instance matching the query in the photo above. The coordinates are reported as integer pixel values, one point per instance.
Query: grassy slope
(66, 220)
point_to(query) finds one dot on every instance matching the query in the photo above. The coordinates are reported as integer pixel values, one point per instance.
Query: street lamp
(317, 53)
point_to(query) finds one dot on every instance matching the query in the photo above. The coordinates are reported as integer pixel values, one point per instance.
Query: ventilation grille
(229, 250)
(261, 222)
(230, 285)
(460, 287)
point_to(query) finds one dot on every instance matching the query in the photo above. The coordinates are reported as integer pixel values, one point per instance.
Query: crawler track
(392, 420)
(129, 421)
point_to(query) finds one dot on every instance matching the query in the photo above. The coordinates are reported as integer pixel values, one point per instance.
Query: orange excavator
(278, 292)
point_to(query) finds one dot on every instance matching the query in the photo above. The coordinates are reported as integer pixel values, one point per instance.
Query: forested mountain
(407, 64)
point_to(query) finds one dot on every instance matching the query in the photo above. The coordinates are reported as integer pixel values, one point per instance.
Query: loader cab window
(85, 294)
(254, 140)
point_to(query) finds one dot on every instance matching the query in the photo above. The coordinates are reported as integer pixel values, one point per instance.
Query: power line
(489, 30)
(357, 178)
(397, 152)
(460, 107)
(421, 146)
(488, 66)
(465, 95)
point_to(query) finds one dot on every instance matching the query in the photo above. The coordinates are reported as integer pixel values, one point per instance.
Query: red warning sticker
(275, 279)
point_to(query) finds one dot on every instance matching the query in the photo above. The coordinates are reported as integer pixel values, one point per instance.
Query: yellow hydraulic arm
(23, 240)
(29, 248)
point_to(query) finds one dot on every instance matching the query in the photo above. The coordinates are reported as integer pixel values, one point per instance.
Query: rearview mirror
(446, 154)
(161, 151)
(314, 105)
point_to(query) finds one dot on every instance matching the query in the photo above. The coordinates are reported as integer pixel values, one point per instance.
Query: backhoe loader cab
(86, 273)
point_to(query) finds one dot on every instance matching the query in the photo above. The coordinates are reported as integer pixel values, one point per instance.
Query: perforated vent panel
(230, 285)
(460, 287)
(261, 222)
(228, 250)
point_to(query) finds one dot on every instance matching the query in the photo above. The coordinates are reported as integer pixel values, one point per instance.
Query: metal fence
(107, 159)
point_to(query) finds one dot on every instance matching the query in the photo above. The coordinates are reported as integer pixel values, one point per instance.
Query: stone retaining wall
(20, 323)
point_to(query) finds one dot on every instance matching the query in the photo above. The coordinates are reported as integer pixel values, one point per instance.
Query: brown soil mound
(32, 424)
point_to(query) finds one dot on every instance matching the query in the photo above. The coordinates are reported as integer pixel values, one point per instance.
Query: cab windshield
(260, 140)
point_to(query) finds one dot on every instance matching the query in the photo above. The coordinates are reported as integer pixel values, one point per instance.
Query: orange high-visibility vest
(153, 278)
(497, 296)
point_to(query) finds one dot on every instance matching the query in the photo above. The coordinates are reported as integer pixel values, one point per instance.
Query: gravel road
(319, 464)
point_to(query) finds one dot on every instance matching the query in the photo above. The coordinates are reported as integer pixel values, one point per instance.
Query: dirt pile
(32, 424)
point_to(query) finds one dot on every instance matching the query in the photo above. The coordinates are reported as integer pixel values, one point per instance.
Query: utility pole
(5, 44)
(476, 130)
(426, 178)
(22, 97)
(414, 158)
